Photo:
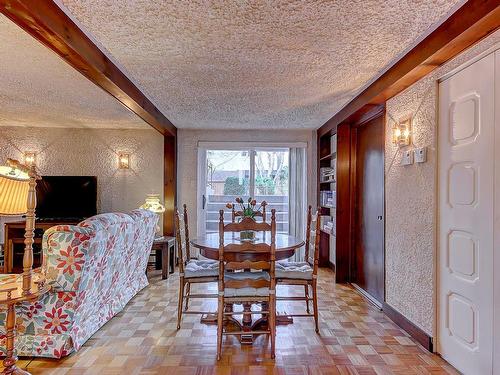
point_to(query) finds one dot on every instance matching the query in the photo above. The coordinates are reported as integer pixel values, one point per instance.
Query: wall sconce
(123, 160)
(29, 158)
(401, 133)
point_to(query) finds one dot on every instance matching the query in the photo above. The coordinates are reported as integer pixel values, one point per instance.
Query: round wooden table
(209, 248)
(285, 245)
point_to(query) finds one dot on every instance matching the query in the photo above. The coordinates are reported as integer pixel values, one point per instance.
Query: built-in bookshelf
(327, 198)
(334, 200)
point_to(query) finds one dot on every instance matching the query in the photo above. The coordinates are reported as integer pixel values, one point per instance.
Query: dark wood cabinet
(14, 244)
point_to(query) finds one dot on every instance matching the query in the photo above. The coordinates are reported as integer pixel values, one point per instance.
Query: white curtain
(297, 197)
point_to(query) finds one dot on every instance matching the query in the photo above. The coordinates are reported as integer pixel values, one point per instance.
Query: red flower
(65, 296)
(70, 260)
(59, 354)
(56, 321)
(33, 309)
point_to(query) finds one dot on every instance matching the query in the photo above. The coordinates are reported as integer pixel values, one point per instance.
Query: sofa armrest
(65, 249)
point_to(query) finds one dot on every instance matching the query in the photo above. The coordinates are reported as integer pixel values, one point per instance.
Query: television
(61, 198)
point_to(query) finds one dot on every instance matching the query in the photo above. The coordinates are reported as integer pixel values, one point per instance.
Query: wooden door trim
(50, 25)
(469, 24)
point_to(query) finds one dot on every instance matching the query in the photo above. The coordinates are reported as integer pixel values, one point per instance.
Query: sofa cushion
(201, 268)
(293, 270)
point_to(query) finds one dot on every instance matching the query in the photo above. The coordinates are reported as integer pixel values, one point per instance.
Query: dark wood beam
(469, 24)
(50, 25)
(169, 183)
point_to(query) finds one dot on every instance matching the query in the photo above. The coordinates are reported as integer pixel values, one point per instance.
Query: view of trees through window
(262, 174)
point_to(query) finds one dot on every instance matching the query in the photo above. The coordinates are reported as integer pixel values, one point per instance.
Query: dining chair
(238, 213)
(303, 273)
(191, 271)
(246, 275)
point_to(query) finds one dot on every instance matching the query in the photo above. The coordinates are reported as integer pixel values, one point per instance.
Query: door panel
(465, 265)
(368, 259)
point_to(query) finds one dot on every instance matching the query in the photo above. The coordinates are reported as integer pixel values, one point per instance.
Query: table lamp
(18, 197)
(153, 204)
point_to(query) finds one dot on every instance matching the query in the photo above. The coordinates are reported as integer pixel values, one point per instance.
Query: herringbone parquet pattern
(355, 339)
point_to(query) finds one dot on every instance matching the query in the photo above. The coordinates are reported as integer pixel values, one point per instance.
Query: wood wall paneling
(170, 181)
(343, 212)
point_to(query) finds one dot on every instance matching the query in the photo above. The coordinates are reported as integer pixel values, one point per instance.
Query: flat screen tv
(66, 197)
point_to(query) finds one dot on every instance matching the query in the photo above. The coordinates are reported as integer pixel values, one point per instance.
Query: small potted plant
(247, 211)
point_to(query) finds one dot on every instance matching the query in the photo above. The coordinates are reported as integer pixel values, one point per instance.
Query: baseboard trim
(415, 332)
(367, 296)
(332, 266)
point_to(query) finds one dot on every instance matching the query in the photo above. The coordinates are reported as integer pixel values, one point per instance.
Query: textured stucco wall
(411, 198)
(94, 152)
(187, 146)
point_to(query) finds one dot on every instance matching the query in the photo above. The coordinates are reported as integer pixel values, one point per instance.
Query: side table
(165, 258)
(11, 291)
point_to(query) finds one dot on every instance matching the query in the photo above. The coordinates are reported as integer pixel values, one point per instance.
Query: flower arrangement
(248, 209)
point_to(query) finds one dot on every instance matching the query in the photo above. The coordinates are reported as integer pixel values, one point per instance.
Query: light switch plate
(420, 155)
(407, 157)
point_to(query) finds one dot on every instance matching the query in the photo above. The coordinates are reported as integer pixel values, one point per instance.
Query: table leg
(173, 260)
(158, 261)
(165, 261)
(10, 359)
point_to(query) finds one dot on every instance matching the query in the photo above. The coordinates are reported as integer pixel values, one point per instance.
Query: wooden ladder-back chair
(191, 271)
(303, 273)
(238, 213)
(237, 284)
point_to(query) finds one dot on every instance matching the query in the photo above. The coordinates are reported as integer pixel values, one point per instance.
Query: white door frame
(496, 225)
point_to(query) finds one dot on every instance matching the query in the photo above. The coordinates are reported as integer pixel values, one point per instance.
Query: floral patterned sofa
(94, 268)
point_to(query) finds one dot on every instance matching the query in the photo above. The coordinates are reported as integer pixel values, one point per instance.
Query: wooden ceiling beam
(469, 24)
(49, 24)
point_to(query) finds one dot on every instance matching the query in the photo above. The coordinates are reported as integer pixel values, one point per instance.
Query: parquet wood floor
(355, 339)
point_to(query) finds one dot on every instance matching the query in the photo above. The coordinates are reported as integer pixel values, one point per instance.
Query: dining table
(208, 245)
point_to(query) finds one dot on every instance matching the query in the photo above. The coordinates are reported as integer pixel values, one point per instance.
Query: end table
(165, 255)
(11, 292)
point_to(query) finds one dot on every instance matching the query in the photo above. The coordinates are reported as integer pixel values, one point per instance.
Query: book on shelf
(327, 224)
(328, 199)
(327, 174)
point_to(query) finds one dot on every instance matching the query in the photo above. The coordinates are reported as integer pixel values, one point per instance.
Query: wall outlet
(420, 155)
(407, 157)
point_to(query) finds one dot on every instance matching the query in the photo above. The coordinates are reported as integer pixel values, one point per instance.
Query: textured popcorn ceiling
(37, 88)
(255, 64)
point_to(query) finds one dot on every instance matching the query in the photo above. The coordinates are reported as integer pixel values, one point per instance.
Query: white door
(466, 207)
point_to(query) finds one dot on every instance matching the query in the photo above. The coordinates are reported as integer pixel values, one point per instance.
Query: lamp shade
(153, 204)
(14, 185)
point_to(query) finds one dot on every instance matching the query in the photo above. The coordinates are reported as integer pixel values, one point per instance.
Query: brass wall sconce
(401, 133)
(123, 160)
(29, 158)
